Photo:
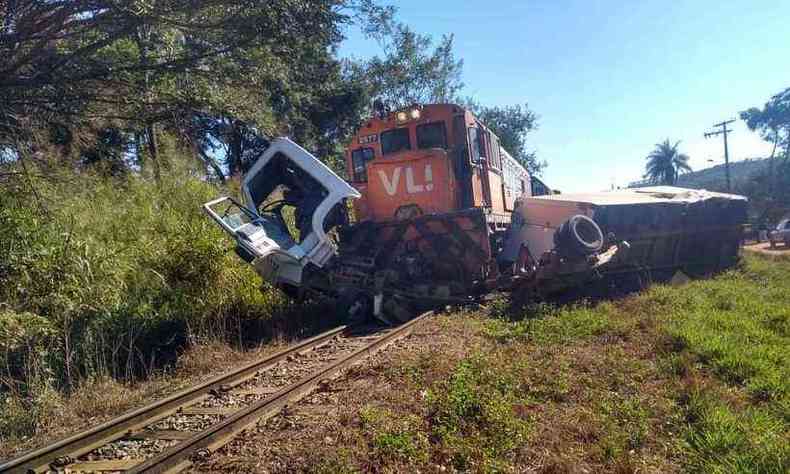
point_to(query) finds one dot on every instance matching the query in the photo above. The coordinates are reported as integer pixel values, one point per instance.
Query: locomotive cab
(431, 159)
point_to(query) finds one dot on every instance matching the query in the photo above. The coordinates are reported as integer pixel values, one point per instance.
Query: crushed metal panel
(287, 165)
(286, 174)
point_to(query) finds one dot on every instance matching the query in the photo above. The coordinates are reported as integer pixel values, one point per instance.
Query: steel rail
(86, 441)
(179, 457)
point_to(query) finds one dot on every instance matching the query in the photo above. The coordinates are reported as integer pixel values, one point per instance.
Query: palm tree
(665, 163)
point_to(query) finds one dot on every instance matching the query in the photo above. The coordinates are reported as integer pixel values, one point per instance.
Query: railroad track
(167, 435)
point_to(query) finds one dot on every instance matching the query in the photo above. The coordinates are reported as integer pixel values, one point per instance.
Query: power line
(724, 131)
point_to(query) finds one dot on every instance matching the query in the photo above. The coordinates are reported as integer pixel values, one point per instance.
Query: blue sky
(610, 79)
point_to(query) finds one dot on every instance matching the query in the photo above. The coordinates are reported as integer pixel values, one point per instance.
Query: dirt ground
(764, 248)
(373, 419)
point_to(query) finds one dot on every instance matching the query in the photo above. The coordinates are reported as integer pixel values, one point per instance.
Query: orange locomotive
(437, 192)
(431, 159)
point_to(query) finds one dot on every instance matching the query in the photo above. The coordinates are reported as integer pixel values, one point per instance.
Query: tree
(512, 124)
(772, 121)
(411, 70)
(149, 67)
(665, 163)
(770, 192)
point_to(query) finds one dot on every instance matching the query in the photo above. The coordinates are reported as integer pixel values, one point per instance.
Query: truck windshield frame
(395, 140)
(432, 135)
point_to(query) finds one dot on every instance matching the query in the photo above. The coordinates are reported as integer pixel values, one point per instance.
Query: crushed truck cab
(290, 201)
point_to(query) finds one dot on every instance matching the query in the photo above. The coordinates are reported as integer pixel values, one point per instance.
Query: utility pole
(724, 131)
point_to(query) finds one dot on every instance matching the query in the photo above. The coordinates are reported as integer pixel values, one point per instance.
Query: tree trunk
(150, 129)
(153, 150)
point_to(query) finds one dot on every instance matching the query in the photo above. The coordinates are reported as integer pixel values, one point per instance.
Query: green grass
(730, 335)
(473, 416)
(694, 378)
(394, 438)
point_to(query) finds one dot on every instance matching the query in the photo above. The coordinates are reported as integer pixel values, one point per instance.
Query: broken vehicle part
(291, 200)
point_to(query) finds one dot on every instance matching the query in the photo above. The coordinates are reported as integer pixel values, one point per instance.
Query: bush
(109, 276)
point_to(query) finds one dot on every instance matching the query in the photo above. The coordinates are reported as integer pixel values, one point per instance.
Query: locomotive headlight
(414, 114)
(402, 117)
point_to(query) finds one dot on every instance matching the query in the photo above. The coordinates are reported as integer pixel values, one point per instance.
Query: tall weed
(109, 276)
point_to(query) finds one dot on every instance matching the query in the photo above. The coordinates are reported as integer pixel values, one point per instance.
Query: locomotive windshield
(395, 140)
(359, 159)
(431, 135)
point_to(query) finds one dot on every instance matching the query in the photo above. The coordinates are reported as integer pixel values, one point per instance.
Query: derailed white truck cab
(290, 201)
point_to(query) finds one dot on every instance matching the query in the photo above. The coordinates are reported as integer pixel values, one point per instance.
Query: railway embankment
(687, 378)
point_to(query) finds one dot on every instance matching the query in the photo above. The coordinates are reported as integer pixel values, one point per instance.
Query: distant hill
(714, 178)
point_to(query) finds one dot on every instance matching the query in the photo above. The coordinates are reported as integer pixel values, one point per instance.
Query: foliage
(665, 163)
(770, 191)
(144, 68)
(512, 124)
(410, 71)
(772, 121)
(96, 81)
(714, 178)
(113, 277)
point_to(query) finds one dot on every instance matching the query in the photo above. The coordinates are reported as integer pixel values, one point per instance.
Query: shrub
(109, 276)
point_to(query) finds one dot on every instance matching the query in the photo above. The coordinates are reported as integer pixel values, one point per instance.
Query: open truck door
(290, 201)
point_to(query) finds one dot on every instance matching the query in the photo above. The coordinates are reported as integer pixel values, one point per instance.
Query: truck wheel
(355, 306)
(580, 236)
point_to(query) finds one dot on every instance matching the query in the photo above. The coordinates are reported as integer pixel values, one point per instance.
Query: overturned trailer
(437, 212)
(660, 230)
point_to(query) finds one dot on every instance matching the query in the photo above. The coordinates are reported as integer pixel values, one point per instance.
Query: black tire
(355, 306)
(579, 236)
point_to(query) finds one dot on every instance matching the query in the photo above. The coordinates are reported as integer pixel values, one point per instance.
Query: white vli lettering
(428, 178)
(412, 188)
(390, 186)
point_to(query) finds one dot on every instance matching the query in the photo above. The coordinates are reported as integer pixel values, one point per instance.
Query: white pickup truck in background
(781, 233)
